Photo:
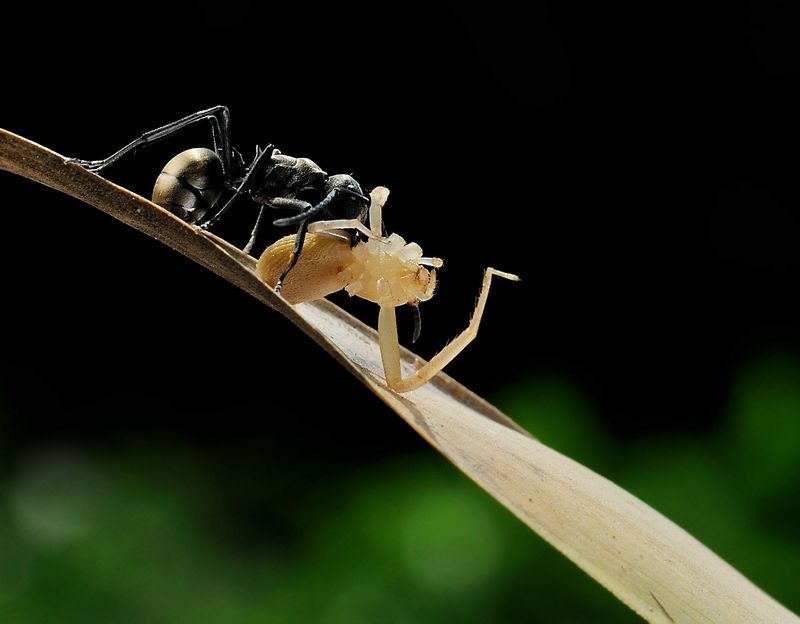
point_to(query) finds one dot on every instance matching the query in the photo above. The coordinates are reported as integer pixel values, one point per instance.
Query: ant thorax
(389, 271)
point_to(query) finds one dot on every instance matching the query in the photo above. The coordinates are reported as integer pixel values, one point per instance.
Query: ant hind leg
(220, 119)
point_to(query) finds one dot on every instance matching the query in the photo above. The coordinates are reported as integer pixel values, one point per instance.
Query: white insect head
(387, 270)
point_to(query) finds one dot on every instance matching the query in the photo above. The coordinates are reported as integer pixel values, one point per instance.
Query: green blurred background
(171, 452)
(156, 531)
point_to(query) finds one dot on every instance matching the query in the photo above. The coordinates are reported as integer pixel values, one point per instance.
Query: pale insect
(385, 270)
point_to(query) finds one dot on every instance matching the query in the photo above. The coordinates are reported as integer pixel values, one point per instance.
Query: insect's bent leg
(251, 177)
(390, 345)
(219, 116)
(322, 205)
(427, 371)
(299, 241)
(341, 224)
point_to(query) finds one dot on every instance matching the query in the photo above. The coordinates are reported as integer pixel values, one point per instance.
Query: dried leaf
(648, 562)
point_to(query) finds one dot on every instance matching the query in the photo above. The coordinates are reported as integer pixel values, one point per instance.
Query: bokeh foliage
(156, 532)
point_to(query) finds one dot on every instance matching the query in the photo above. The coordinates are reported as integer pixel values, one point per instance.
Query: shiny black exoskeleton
(191, 184)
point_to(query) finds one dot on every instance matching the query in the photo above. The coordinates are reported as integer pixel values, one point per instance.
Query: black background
(636, 165)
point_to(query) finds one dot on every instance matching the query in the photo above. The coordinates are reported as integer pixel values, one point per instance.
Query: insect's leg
(427, 371)
(306, 212)
(290, 203)
(252, 176)
(341, 224)
(220, 119)
(299, 241)
(390, 346)
(322, 205)
(249, 246)
(378, 197)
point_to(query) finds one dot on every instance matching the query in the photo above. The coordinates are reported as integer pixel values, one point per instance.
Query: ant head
(353, 205)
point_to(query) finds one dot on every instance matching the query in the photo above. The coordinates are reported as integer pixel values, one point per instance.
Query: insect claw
(90, 165)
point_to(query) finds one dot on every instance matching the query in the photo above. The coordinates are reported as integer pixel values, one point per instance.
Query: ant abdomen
(190, 184)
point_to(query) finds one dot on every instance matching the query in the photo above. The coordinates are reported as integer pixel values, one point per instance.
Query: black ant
(191, 184)
(346, 250)
(383, 269)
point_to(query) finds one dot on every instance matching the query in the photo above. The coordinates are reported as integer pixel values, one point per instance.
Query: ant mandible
(191, 184)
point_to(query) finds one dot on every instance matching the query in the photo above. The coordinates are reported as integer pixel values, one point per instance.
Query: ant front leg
(378, 198)
(320, 227)
(306, 212)
(220, 119)
(325, 204)
(302, 207)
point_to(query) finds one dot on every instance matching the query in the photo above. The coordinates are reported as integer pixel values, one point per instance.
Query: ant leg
(323, 205)
(252, 176)
(306, 212)
(378, 198)
(220, 119)
(290, 203)
(390, 351)
(302, 207)
(249, 246)
(299, 241)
